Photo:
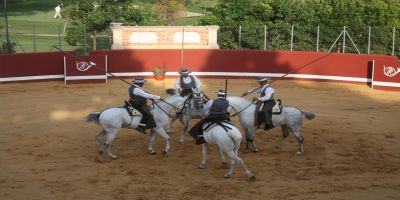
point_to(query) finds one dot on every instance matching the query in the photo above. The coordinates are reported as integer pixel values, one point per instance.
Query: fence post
(317, 38)
(59, 36)
(291, 40)
(344, 38)
(34, 38)
(394, 34)
(84, 37)
(240, 36)
(265, 37)
(369, 39)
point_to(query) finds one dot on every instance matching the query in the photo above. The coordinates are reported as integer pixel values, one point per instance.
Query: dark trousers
(147, 117)
(197, 129)
(266, 114)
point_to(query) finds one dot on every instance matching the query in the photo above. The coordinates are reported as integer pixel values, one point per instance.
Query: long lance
(226, 88)
(298, 68)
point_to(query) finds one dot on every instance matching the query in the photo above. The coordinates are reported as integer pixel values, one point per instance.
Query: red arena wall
(216, 63)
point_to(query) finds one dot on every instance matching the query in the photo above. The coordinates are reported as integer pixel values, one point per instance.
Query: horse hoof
(251, 178)
(152, 152)
(227, 175)
(181, 141)
(164, 153)
(255, 150)
(113, 157)
(202, 166)
(299, 153)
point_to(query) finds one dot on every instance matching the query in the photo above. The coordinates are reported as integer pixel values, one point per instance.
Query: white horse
(111, 120)
(228, 140)
(193, 109)
(290, 120)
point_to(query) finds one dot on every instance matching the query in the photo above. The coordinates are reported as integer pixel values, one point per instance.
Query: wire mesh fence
(41, 37)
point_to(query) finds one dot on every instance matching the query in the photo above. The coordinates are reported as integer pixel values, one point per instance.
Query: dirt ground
(47, 151)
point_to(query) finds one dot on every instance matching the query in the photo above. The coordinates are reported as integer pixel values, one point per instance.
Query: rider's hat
(262, 79)
(184, 71)
(221, 93)
(139, 80)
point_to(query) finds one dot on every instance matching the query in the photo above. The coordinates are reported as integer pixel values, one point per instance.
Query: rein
(237, 113)
(170, 116)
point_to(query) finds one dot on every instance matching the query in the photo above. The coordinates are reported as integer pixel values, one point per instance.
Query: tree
(3, 46)
(169, 10)
(93, 16)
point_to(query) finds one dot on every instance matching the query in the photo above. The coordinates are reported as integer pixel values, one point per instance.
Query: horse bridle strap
(237, 113)
(170, 116)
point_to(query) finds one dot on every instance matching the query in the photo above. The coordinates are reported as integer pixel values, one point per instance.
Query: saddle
(131, 110)
(276, 110)
(210, 125)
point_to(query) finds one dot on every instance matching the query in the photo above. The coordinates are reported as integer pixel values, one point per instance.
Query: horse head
(198, 98)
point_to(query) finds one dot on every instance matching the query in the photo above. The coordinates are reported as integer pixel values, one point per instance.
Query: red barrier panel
(386, 75)
(86, 69)
(32, 66)
(203, 62)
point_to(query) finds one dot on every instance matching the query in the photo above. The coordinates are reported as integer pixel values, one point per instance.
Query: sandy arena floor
(47, 151)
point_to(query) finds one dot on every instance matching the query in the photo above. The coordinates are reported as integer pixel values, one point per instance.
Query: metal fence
(346, 39)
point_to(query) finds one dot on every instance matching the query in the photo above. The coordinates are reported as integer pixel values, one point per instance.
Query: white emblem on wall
(189, 37)
(143, 37)
(390, 71)
(84, 66)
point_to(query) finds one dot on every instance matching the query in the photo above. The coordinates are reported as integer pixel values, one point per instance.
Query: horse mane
(239, 100)
(171, 91)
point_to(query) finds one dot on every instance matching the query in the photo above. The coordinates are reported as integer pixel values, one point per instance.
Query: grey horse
(290, 120)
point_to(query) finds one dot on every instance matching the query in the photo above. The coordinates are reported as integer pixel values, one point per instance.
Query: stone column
(116, 29)
(212, 37)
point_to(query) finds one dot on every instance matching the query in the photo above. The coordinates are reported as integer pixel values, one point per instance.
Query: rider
(186, 82)
(217, 111)
(267, 97)
(138, 99)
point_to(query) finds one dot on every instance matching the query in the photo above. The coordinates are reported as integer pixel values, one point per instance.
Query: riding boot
(200, 139)
(141, 129)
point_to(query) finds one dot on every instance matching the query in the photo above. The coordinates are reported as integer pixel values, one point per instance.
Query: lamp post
(5, 17)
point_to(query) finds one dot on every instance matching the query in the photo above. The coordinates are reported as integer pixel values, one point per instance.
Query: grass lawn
(27, 18)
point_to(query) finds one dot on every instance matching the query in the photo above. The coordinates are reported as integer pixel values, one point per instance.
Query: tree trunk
(94, 40)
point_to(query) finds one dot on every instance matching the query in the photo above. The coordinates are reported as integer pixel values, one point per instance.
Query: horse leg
(152, 137)
(100, 138)
(185, 122)
(203, 156)
(250, 139)
(300, 140)
(222, 158)
(111, 134)
(230, 171)
(252, 134)
(235, 160)
(163, 134)
(285, 133)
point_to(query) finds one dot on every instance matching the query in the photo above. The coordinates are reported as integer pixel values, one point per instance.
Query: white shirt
(140, 92)
(187, 80)
(268, 92)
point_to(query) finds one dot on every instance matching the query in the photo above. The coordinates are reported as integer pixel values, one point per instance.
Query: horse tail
(308, 115)
(93, 117)
(236, 136)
